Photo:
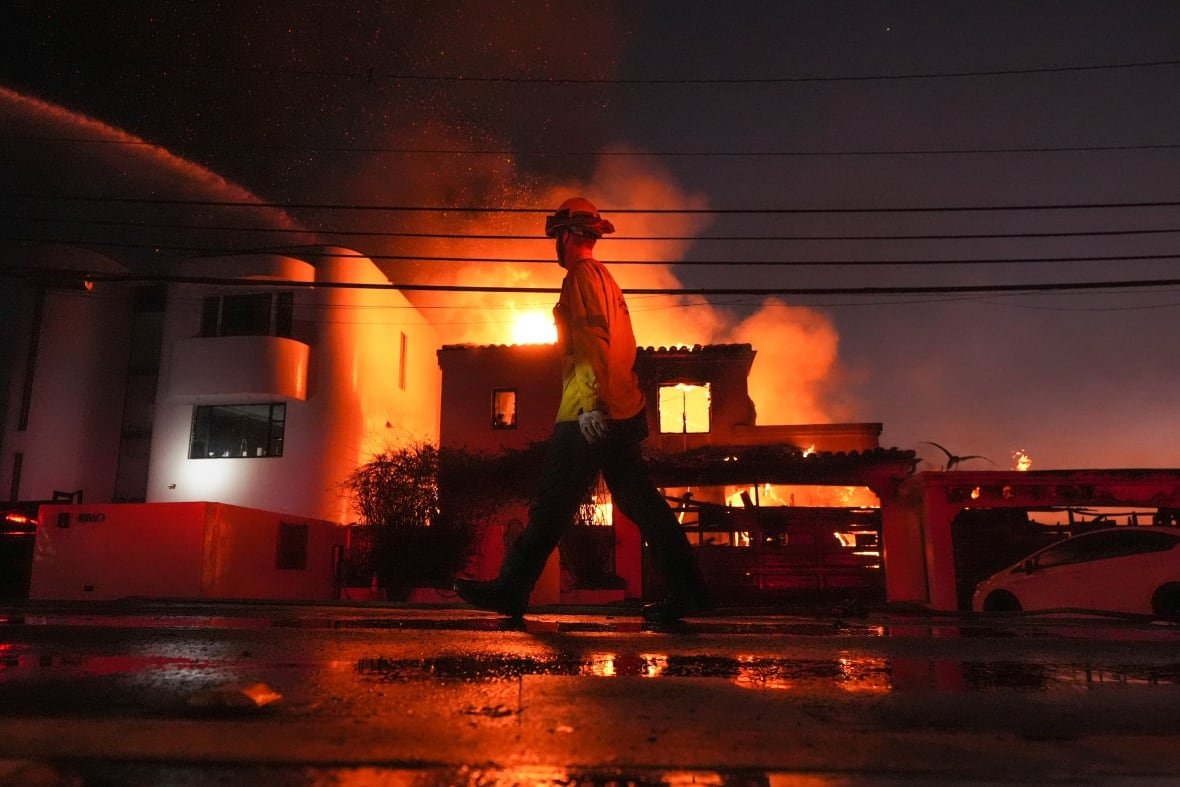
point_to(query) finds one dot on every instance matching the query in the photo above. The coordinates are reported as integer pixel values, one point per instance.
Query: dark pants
(571, 468)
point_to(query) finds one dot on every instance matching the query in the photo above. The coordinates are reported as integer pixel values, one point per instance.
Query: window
(684, 408)
(1105, 545)
(241, 430)
(504, 408)
(248, 314)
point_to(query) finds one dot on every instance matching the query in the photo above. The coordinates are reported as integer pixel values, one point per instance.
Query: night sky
(908, 138)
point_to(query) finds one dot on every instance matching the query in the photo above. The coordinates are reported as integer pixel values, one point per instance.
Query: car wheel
(1165, 602)
(1001, 601)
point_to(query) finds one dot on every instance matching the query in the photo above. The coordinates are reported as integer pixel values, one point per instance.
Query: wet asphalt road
(247, 693)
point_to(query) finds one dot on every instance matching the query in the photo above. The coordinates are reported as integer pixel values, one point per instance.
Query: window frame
(227, 314)
(205, 419)
(684, 386)
(497, 410)
(1105, 545)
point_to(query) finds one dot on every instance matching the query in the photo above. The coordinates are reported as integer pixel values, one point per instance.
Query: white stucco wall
(354, 404)
(71, 440)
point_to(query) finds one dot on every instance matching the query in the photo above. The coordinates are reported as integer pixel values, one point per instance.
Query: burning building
(259, 382)
(771, 509)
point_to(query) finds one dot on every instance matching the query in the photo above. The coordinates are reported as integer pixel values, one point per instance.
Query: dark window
(1102, 546)
(211, 316)
(150, 299)
(292, 551)
(284, 313)
(239, 430)
(1133, 541)
(248, 314)
(504, 408)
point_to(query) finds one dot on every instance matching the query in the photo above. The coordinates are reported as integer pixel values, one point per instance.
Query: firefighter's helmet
(578, 215)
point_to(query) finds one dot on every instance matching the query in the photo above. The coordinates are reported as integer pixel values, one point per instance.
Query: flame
(432, 247)
(1021, 460)
(806, 495)
(533, 327)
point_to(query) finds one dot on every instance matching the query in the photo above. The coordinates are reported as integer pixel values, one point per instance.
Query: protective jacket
(597, 345)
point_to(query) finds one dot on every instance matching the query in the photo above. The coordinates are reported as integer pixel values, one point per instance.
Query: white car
(1121, 569)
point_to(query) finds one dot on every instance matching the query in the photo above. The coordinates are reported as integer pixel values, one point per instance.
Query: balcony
(241, 368)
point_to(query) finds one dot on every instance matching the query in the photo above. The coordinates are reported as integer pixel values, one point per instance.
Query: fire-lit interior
(781, 516)
(684, 408)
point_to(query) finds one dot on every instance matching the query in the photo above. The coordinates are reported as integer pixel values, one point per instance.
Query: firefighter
(600, 426)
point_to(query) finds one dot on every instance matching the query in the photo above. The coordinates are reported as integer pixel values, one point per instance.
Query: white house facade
(256, 380)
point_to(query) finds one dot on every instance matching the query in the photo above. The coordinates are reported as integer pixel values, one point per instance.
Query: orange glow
(1021, 460)
(684, 409)
(787, 338)
(598, 510)
(752, 675)
(810, 496)
(865, 675)
(604, 509)
(534, 327)
(601, 665)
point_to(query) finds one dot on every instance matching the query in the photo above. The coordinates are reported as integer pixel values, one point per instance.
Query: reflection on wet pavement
(855, 674)
(147, 660)
(145, 775)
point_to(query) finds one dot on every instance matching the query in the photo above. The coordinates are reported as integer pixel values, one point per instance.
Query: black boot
(493, 596)
(674, 607)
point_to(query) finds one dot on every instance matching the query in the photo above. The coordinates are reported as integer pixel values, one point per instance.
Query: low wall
(183, 550)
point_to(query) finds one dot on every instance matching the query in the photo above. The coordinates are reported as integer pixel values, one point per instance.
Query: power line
(640, 306)
(625, 153)
(534, 237)
(371, 74)
(304, 253)
(516, 209)
(63, 277)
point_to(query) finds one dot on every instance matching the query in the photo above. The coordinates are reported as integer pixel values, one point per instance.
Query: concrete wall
(75, 383)
(349, 404)
(180, 550)
(472, 373)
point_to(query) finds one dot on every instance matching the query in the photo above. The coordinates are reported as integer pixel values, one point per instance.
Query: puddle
(873, 674)
(751, 672)
(151, 774)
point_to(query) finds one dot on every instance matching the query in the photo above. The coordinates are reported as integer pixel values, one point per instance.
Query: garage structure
(943, 532)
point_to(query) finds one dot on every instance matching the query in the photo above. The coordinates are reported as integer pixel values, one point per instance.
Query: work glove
(593, 425)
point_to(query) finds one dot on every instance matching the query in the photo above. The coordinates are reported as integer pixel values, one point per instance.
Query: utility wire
(513, 209)
(372, 74)
(393, 234)
(621, 153)
(303, 253)
(65, 277)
